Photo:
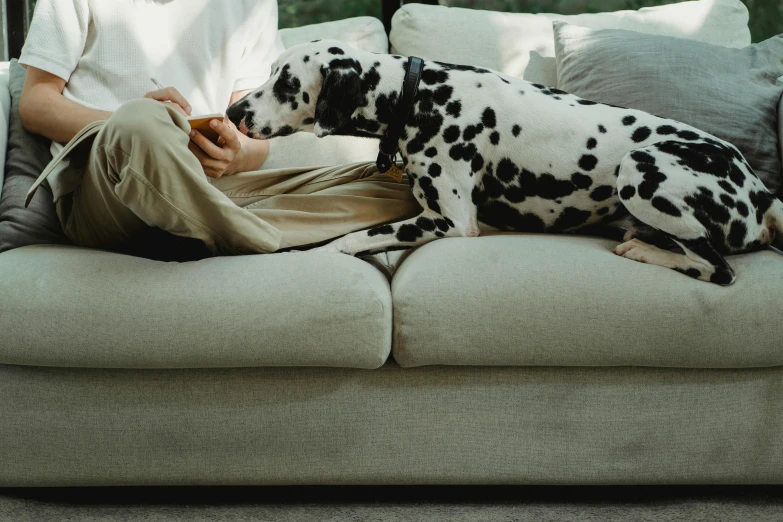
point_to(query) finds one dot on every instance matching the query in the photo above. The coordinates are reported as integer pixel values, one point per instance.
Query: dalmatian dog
(480, 146)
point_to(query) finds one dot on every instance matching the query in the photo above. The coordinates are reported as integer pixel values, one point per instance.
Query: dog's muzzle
(237, 113)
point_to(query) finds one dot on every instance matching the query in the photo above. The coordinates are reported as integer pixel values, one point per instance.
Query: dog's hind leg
(660, 193)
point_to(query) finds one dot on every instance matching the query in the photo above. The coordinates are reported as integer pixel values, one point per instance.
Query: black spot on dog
(588, 162)
(462, 151)
(477, 162)
(761, 201)
(581, 181)
(451, 134)
(665, 206)
(425, 224)
(286, 86)
(665, 130)
(306, 59)
(586, 102)
(591, 143)
(507, 170)
(602, 211)
(443, 94)
(494, 138)
(641, 156)
(502, 215)
(602, 129)
(442, 224)
(641, 134)
(627, 192)
(457, 67)
(602, 193)
(742, 208)
(370, 80)
(546, 186)
(384, 107)
(708, 158)
(409, 233)
(688, 135)
(431, 152)
(629, 120)
(571, 217)
(305, 97)
(381, 230)
(336, 50)
(454, 108)
(430, 193)
(488, 118)
(727, 200)
(706, 210)
(294, 106)
(737, 233)
(308, 121)
(434, 170)
(266, 131)
(515, 130)
(728, 187)
(471, 130)
(431, 76)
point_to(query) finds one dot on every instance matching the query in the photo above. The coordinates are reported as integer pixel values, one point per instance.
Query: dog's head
(314, 87)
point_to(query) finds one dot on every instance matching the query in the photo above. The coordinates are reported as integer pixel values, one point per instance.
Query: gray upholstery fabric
(730, 93)
(535, 299)
(435, 425)
(70, 306)
(26, 158)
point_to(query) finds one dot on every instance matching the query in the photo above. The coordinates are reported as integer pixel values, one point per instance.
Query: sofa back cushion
(26, 157)
(730, 93)
(303, 149)
(522, 45)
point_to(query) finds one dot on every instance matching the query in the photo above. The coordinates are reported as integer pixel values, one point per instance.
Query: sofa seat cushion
(74, 307)
(549, 300)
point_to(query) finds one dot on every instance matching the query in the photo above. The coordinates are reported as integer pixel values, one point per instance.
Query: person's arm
(234, 152)
(44, 110)
(253, 153)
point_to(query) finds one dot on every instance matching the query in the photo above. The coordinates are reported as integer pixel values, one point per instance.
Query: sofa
(504, 359)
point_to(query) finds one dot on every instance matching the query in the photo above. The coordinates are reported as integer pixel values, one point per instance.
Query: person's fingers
(229, 136)
(207, 146)
(170, 94)
(211, 167)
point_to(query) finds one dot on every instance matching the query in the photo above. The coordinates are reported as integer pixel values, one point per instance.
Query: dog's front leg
(395, 236)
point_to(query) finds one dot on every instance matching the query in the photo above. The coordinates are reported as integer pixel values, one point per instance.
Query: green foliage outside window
(766, 16)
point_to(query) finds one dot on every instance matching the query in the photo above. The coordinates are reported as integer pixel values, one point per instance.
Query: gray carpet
(389, 504)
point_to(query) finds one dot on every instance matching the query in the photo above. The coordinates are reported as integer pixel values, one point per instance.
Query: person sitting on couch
(91, 61)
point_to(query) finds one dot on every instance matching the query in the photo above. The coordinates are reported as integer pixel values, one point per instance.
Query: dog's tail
(775, 214)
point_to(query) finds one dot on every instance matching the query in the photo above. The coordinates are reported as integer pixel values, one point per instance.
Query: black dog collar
(389, 145)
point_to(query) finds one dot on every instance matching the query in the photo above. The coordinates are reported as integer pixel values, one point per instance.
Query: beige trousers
(140, 174)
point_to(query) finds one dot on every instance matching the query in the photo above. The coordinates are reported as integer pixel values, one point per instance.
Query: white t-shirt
(106, 50)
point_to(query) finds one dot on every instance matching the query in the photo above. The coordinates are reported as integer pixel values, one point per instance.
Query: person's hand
(221, 159)
(172, 96)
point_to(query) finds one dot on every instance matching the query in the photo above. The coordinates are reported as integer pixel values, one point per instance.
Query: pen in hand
(185, 108)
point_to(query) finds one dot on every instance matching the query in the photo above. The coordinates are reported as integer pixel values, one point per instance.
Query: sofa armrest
(5, 114)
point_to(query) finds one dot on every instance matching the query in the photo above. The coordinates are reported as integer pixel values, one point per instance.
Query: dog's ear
(341, 95)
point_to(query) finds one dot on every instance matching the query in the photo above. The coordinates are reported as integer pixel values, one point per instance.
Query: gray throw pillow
(26, 157)
(730, 93)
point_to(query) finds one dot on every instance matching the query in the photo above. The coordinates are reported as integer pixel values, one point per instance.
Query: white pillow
(303, 149)
(522, 44)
